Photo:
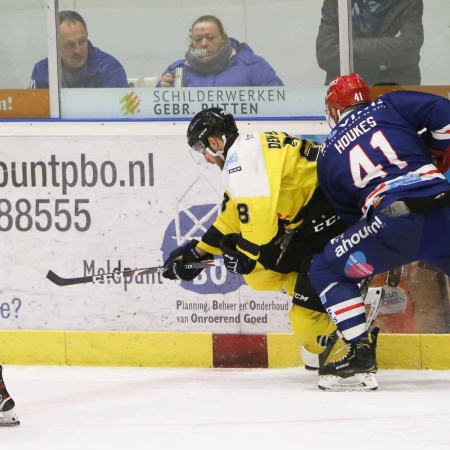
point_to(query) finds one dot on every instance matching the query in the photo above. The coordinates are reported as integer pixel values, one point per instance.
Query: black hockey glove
(174, 264)
(234, 260)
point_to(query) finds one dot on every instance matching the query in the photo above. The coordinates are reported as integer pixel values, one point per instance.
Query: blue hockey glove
(234, 260)
(174, 264)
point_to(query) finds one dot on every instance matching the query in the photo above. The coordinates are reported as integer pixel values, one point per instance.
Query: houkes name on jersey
(349, 136)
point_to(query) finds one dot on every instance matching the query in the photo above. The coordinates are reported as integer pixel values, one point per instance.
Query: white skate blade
(9, 419)
(357, 383)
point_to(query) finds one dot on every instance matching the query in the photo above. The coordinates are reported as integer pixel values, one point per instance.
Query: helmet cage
(199, 147)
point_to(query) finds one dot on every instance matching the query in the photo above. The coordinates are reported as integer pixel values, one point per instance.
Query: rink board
(97, 197)
(88, 203)
(207, 350)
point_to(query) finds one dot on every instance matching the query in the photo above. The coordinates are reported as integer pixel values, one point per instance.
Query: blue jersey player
(380, 167)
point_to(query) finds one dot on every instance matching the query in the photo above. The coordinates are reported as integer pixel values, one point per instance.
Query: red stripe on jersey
(430, 172)
(349, 308)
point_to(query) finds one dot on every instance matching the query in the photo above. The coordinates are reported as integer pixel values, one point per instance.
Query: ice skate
(373, 298)
(355, 371)
(7, 405)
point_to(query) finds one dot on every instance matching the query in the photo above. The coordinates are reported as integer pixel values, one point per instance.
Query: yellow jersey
(267, 177)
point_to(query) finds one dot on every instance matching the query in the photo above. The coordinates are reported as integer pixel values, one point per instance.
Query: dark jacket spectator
(387, 37)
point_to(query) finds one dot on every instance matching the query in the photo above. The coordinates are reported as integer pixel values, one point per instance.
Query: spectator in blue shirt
(214, 59)
(82, 64)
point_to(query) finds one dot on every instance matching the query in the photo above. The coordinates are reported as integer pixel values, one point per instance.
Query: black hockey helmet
(209, 122)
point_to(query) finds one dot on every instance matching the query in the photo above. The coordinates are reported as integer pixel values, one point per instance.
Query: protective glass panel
(390, 48)
(23, 36)
(254, 58)
(399, 45)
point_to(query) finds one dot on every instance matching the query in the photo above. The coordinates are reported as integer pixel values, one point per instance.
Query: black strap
(426, 204)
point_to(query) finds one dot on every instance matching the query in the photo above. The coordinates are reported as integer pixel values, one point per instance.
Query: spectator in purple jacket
(82, 64)
(214, 59)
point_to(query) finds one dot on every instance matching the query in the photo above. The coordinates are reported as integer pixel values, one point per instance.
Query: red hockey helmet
(345, 91)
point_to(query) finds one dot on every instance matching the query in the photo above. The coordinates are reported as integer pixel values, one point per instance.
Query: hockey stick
(126, 273)
(373, 298)
(118, 275)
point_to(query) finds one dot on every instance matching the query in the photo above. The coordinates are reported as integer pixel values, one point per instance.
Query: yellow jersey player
(274, 217)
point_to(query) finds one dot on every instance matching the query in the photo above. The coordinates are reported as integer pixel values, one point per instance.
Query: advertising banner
(24, 104)
(183, 103)
(90, 205)
(442, 90)
(178, 103)
(84, 206)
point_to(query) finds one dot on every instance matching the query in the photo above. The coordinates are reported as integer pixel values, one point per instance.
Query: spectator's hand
(233, 259)
(174, 264)
(382, 66)
(167, 80)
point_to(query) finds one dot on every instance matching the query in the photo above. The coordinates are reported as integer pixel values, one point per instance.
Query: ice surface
(68, 408)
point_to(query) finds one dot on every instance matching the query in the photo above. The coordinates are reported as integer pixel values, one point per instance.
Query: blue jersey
(375, 154)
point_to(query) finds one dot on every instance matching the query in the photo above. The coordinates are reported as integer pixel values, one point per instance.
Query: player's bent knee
(308, 324)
